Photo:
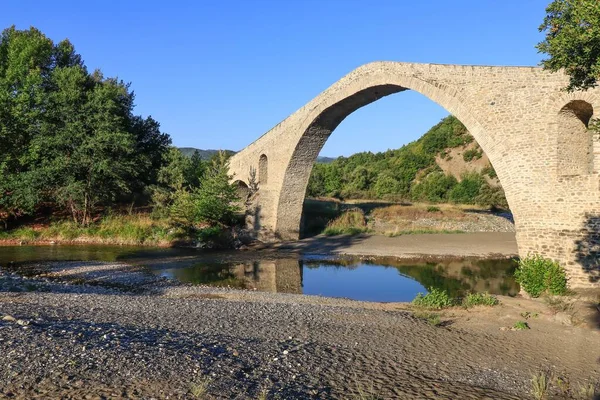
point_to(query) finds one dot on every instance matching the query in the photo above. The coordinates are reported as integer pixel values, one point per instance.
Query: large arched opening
(327, 118)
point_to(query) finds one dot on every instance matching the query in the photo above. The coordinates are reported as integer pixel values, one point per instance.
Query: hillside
(444, 165)
(207, 154)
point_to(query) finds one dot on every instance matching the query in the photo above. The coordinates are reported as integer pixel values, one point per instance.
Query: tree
(67, 137)
(213, 202)
(572, 41)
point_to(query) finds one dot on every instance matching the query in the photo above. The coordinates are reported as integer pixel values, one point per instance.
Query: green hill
(444, 165)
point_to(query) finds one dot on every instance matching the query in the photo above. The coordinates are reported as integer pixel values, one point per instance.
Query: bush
(538, 275)
(351, 222)
(467, 189)
(521, 326)
(435, 187)
(435, 299)
(472, 154)
(479, 299)
(433, 209)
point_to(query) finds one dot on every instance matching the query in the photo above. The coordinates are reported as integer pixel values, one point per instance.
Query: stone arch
(334, 109)
(243, 191)
(574, 141)
(263, 169)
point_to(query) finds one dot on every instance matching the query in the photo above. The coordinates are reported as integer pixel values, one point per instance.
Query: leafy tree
(67, 137)
(467, 189)
(213, 203)
(572, 41)
(435, 187)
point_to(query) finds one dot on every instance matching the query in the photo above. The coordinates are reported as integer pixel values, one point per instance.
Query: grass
(540, 385)
(351, 222)
(421, 232)
(559, 304)
(588, 391)
(368, 393)
(199, 388)
(432, 318)
(479, 299)
(132, 229)
(521, 326)
(436, 299)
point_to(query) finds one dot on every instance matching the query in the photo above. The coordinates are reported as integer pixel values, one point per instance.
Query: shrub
(479, 299)
(467, 189)
(472, 154)
(538, 275)
(433, 209)
(435, 299)
(432, 318)
(435, 187)
(351, 222)
(521, 326)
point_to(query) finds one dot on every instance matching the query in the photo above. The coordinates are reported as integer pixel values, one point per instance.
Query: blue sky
(218, 74)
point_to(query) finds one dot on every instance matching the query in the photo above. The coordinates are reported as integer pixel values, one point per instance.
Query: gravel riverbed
(99, 330)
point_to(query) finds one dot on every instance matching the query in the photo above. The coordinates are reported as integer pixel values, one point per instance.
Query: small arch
(243, 191)
(263, 172)
(575, 147)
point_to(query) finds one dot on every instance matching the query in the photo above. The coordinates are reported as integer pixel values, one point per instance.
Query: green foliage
(434, 188)
(408, 173)
(123, 229)
(467, 189)
(472, 154)
(433, 209)
(435, 299)
(538, 275)
(521, 326)
(492, 197)
(489, 171)
(572, 41)
(432, 318)
(69, 138)
(213, 203)
(479, 299)
(350, 222)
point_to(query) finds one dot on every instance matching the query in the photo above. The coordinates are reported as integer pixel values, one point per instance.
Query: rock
(8, 318)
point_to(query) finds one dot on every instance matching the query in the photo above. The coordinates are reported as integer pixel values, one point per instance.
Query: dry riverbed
(109, 330)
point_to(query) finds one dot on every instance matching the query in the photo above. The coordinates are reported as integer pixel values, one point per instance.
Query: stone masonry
(534, 133)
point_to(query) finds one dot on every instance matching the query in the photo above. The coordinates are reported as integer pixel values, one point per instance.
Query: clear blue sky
(219, 73)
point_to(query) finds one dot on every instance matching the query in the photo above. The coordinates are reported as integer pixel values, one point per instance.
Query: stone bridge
(534, 133)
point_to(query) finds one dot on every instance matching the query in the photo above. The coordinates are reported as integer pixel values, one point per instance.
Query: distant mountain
(325, 160)
(207, 154)
(204, 154)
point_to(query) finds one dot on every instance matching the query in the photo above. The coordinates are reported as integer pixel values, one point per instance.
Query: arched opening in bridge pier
(263, 170)
(290, 213)
(575, 146)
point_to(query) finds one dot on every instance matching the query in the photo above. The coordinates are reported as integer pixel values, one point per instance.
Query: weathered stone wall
(518, 115)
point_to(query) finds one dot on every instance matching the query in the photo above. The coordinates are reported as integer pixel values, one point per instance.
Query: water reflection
(283, 275)
(380, 279)
(377, 279)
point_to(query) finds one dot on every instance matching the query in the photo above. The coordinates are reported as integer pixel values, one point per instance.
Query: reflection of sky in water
(381, 280)
(365, 282)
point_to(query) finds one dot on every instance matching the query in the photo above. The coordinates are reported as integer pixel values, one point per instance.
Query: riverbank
(434, 245)
(112, 330)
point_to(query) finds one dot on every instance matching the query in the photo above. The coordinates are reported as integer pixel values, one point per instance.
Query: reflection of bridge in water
(457, 277)
(278, 276)
(350, 277)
